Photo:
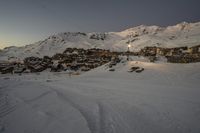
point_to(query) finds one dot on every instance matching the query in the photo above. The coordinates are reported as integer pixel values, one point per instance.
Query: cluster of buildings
(73, 59)
(81, 59)
(77, 59)
(36, 64)
(174, 55)
(11, 67)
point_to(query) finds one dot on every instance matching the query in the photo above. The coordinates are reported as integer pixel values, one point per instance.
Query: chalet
(4, 64)
(68, 51)
(149, 51)
(32, 60)
(7, 70)
(84, 68)
(19, 69)
(194, 49)
(187, 58)
(178, 50)
(36, 64)
(47, 59)
(58, 67)
(163, 51)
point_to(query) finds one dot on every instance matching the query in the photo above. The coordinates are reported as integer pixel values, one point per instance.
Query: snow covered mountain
(183, 34)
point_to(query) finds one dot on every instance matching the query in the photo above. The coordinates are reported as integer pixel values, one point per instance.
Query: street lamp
(129, 46)
(128, 52)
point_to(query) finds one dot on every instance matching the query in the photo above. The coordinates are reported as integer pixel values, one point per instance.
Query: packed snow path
(164, 98)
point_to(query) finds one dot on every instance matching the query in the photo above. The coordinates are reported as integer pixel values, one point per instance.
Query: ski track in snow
(154, 101)
(95, 124)
(5, 106)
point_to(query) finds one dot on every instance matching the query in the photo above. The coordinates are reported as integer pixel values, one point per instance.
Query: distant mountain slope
(183, 34)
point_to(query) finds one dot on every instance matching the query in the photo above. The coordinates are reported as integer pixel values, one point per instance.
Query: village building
(149, 51)
(79, 59)
(194, 49)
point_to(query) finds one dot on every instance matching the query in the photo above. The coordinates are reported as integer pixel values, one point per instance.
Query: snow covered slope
(164, 98)
(183, 34)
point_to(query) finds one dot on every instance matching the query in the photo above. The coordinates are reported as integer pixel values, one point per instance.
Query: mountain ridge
(182, 34)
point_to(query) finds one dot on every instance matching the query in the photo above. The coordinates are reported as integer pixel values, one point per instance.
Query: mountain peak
(182, 34)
